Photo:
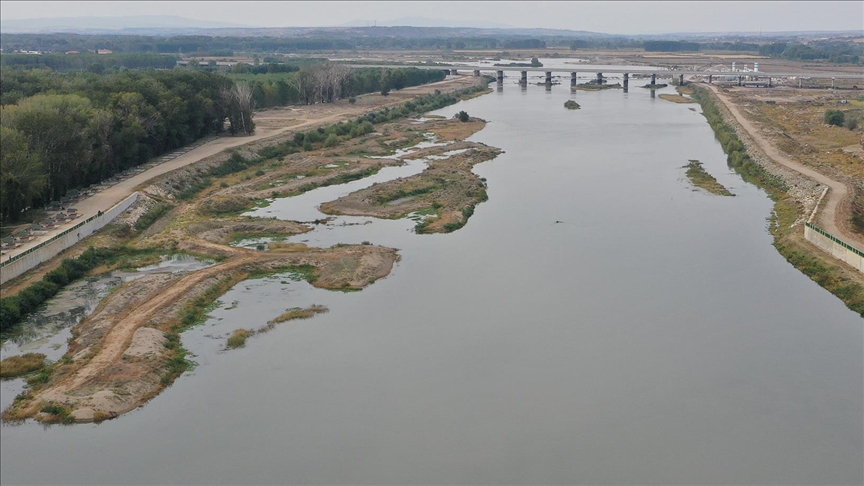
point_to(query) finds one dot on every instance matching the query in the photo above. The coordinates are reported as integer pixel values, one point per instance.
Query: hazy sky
(610, 17)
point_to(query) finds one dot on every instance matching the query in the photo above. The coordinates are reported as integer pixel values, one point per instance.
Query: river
(597, 321)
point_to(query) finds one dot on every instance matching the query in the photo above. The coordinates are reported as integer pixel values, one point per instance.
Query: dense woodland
(62, 131)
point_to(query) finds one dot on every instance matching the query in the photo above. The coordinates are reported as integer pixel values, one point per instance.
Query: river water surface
(597, 321)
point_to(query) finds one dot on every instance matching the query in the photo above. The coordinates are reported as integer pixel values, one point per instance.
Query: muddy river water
(597, 321)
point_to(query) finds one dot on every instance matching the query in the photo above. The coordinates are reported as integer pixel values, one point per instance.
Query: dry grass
(685, 90)
(295, 313)
(676, 98)
(447, 130)
(238, 338)
(282, 247)
(700, 178)
(15, 366)
(800, 130)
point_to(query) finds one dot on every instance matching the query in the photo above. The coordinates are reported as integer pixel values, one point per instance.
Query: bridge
(740, 76)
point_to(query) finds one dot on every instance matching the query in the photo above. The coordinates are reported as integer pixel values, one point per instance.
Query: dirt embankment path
(838, 193)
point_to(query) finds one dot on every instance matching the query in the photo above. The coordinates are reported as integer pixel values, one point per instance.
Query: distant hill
(426, 22)
(96, 25)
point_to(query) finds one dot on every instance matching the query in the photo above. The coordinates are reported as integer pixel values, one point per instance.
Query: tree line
(832, 51)
(218, 45)
(326, 82)
(64, 131)
(97, 63)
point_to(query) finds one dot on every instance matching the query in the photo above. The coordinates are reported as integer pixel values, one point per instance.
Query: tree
(55, 126)
(835, 117)
(385, 82)
(463, 116)
(398, 79)
(22, 177)
(238, 100)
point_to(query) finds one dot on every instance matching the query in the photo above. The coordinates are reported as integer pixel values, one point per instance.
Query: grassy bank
(15, 366)
(238, 338)
(788, 237)
(700, 178)
(676, 98)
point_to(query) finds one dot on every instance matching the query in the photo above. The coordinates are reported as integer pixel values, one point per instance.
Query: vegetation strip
(15, 366)
(676, 98)
(700, 178)
(238, 337)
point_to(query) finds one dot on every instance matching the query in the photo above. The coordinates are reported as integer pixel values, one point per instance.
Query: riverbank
(129, 349)
(795, 197)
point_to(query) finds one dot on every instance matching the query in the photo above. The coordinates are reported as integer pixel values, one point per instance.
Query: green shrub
(332, 140)
(835, 117)
(152, 215)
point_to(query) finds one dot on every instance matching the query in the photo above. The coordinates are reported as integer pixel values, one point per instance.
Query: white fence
(47, 250)
(834, 246)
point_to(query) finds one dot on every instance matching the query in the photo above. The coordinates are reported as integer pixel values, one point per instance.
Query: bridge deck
(583, 68)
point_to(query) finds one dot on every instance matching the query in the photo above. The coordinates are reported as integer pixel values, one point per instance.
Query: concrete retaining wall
(834, 246)
(49, 249)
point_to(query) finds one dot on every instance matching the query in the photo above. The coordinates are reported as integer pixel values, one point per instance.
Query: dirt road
(837, 193)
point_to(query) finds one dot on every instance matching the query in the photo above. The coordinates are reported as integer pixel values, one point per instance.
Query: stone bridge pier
(626, 81)
(573, 76)
(548, 77)
(599, 78)
(454, 72)
(680, 80)
(710, 79)
(653, 79)
(500, 76)
(476, 73)
(524, 78)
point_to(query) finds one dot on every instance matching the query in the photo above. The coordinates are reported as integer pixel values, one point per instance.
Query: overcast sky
(639, 17)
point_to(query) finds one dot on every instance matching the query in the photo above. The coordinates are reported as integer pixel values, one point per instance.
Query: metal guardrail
(185, 149)
(835, 239)
(48, 241)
